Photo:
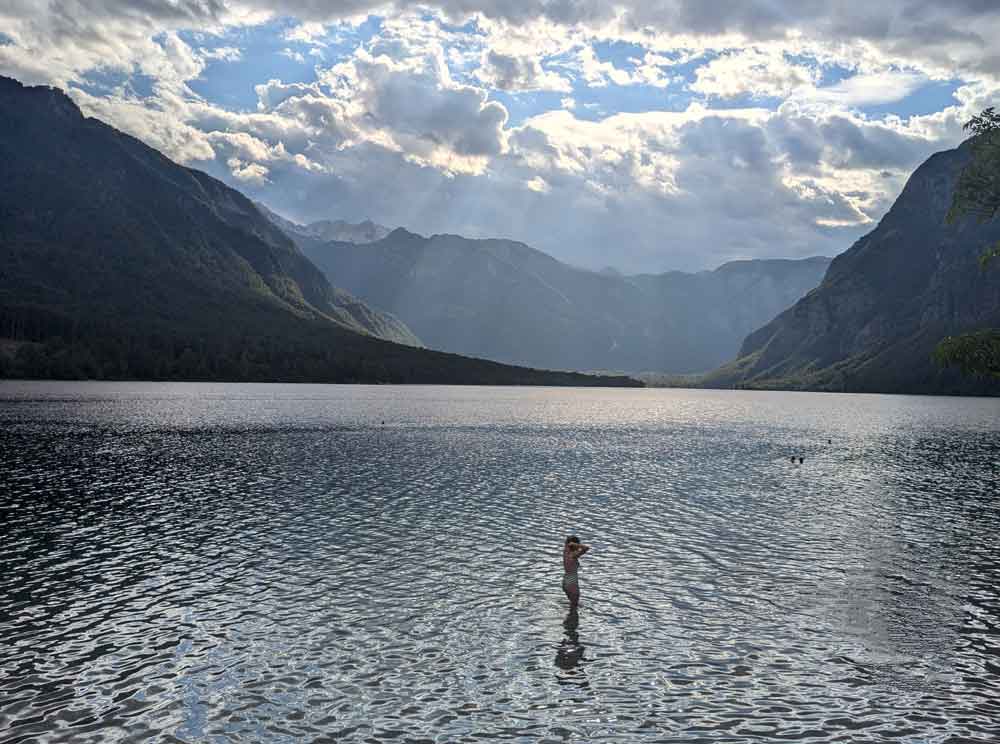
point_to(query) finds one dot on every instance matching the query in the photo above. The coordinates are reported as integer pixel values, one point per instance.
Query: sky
(644, 135)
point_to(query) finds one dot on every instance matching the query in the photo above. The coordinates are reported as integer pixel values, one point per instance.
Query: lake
(286, 563)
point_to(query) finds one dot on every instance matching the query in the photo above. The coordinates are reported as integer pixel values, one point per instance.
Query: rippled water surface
(226, 563)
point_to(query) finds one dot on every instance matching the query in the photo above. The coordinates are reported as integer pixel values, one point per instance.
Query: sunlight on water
(298, 563)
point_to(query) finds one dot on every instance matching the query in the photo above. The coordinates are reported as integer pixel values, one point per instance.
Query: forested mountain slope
(116, 262)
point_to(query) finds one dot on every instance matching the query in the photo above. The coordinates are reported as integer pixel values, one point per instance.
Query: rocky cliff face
(884, 304)
(504, 300)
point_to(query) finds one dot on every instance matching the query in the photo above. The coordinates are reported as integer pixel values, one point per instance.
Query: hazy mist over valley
(503, 300)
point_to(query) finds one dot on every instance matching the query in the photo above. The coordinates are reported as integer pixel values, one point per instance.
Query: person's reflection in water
(570, 652)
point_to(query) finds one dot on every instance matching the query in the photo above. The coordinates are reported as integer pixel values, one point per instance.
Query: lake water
(226, 563)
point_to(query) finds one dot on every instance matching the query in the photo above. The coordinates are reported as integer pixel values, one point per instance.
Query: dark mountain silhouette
(885, 304)
(117, 263)
(503, 300)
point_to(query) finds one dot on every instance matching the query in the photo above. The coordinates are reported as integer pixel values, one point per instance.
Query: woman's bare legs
(573, 593)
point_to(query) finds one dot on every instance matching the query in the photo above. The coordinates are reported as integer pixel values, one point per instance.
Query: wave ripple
(302, 563)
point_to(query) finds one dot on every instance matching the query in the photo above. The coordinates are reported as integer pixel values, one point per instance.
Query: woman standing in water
(572, 551)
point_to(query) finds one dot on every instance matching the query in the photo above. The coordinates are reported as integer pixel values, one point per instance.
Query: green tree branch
(992, 253)
(977, 194)
(973, 353)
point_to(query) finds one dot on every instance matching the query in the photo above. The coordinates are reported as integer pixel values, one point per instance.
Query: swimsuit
(570, 578)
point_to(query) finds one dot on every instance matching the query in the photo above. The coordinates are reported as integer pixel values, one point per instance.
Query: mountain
(348, 232)
(106, 197)
(117, 263)
(503, 300)
(885, 304)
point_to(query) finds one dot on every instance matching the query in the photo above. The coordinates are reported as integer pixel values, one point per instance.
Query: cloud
(247, 172)
(646, 191)
(864, 90)
(225, 54)
(939, 38)
(293, 55)
(943, 39)
(415, 107)
(597, 73)
(275, 92)
(161, 125)
(755, 73)
(513, 73)
(538, 184)
(687, 189)
(306, 33)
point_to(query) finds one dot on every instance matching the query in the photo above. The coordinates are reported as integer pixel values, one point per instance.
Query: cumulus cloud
(274, 92)
(598, 73)
(162, 124)
(513, 73)
(753, 72)
(649, 191)
(939, 38)
(248, 172)
(947, 38)
(306, 33)
(417, 108)
(226, 54)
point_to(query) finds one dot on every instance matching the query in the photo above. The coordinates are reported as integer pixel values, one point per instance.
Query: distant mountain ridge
(503, 300)
(884, 304)
(348, 232)
(116, 262)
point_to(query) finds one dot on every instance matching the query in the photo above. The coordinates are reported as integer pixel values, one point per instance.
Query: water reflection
(570, 652)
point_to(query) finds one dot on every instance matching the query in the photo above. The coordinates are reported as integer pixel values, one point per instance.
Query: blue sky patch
(618, 52)
(829, 74)
(263, 56)
(105, 82)
(928, 99)
(522, 106)
(743, 101)
(597, 103)
(371, 26)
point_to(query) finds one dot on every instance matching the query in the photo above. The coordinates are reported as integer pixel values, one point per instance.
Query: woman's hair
(572, 539)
